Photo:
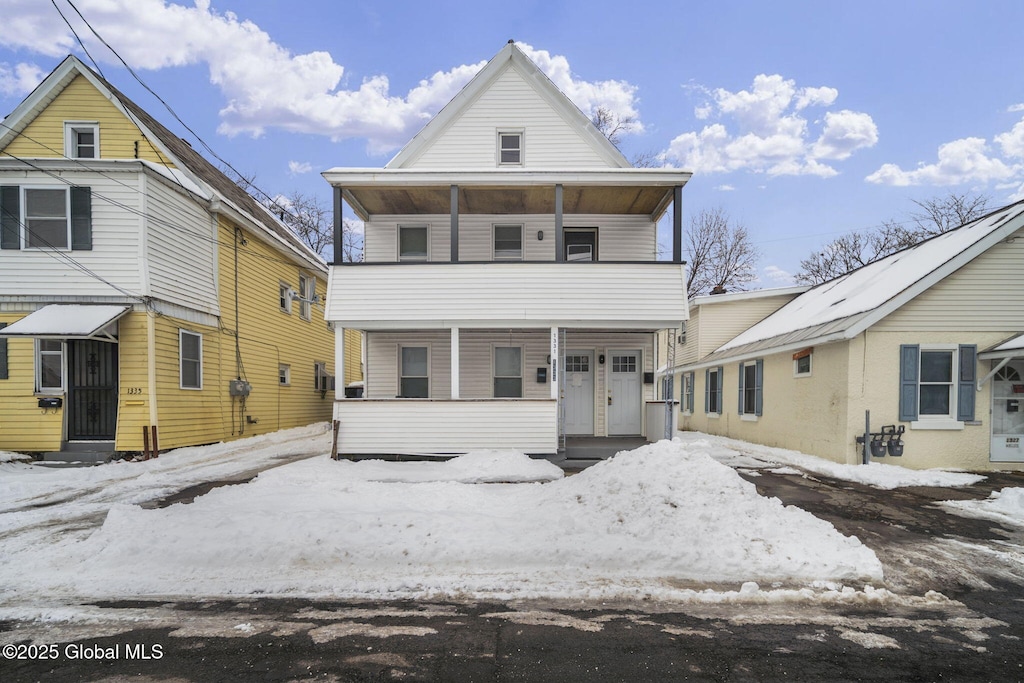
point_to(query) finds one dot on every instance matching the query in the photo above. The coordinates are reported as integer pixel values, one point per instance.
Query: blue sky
(802, 120)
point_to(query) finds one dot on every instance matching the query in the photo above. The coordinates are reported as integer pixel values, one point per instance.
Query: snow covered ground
(665, 521)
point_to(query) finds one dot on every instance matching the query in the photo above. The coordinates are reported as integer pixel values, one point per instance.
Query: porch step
(81, 453)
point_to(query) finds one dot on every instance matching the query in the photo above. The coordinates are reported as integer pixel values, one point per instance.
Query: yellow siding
(133, 383)
(80, 101)
(269, 337)
(23, 425)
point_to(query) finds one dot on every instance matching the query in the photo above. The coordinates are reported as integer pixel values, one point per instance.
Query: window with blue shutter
(751, 391)
(909, 367)
(937, 383)
(3, 355)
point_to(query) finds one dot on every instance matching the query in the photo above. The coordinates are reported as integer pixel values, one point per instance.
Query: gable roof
(200, 171)
(510, 56)
(844, 307)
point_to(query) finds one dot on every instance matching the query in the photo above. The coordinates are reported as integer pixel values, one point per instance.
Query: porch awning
(68, 321)
(1011, 348)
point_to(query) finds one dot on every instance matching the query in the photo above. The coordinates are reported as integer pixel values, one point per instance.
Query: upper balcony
(599, 295)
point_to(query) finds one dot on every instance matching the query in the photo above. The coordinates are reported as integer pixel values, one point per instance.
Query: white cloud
(264, 84)
(20, 79)
(1012, 141)
(725, 188)
(1015, 108)
(299, 167)
(778, 275)
(769, 133)
(968, 160)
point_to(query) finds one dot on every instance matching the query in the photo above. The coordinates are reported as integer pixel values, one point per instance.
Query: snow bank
(1006, 506)
(743, 454)
(478, 467)
(642, 523)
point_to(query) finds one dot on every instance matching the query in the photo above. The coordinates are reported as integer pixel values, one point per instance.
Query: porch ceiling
(534, 199)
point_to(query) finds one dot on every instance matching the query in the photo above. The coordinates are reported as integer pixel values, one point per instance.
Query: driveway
(972, 631)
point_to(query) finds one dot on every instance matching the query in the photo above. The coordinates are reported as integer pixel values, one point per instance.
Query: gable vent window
(510, 149)
(81, 140)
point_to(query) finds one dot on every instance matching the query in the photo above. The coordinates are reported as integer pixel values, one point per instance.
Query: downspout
(150, 312)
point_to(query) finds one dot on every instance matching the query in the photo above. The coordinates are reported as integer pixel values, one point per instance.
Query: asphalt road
(974, 633)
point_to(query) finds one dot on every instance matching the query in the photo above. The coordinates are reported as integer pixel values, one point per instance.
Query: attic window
(81, 140)
(510, 148)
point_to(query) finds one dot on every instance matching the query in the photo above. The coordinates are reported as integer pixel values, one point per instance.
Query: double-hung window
(413, 243)
(81, 140)
(508, 243)
(510, 148)
(750, 388)
(508, 372)
(937, 385)
(414, 379)
(49, 366)
(45, 217)
(190, 355)
(713, 390)
(687, 391)
(307, 291)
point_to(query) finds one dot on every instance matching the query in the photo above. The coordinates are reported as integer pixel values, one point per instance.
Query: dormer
(82, 139)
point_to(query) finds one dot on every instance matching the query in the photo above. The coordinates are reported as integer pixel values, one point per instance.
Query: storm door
(579, 393)
(1008, 413)
(92, 390)
(625, 394)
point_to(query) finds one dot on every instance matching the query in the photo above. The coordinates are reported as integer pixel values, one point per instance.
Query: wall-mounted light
(549, 359)
(540, 235)
(600, 359)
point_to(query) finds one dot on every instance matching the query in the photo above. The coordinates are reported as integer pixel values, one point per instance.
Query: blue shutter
(759, 386)
(3, 355)
(10, 217)
(910, 364)
(689, 392)
(721, 383)
(968, 377)
(81, 218)
(707, 390)
(739, 407)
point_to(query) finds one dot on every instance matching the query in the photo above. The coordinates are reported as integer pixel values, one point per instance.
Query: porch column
(339, 240)
(455, 228)
(559, 229)
(554, 363)
(339, 363)
(677, 224)
(455, 363)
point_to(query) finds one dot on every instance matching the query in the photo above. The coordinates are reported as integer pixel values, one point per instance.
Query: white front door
(625, 393)
(579, 392)
(1008, 413)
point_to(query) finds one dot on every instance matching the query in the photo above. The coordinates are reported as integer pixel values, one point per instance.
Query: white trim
(181, 358)
(399, 375)
(71, 128)
(38, 353)
(66, 189)
(522, 240)
(810, 367)
(284, 371)
(519, 133)
(947, 420)
(398, 241)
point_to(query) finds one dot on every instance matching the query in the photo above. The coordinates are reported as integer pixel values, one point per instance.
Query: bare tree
(859, 248)
(719, 254)
(313, 223)
(611, 125)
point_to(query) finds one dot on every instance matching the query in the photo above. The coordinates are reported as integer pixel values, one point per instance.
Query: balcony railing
(648, 295)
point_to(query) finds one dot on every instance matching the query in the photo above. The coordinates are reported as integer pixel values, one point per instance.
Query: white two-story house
(511, 293)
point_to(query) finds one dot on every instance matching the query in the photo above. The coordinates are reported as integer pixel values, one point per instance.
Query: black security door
(92, 390)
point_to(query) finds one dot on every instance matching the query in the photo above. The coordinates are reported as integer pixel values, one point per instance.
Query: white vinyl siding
(620, 237)
(180, 248)
(390, 426)
(509, 104)
(382, 358)
(609, 295)
(115, 240)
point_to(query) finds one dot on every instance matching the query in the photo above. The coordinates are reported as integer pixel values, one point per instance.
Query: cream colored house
(145, 300)
(926, 340)
(510, 294)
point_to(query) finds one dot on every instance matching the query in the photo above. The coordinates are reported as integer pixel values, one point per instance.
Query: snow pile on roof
(871, 286)
(635, 525)
(743, 454)
(1011, 345)
(1006, 506)
(491, 466)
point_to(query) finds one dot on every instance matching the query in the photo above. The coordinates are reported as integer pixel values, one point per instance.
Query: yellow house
(922, 350)
(146, 301)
